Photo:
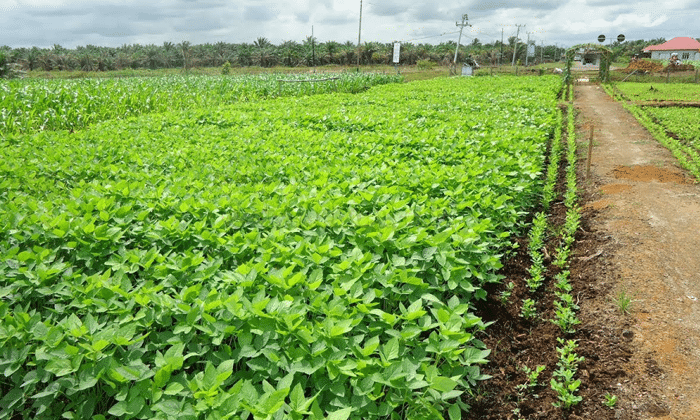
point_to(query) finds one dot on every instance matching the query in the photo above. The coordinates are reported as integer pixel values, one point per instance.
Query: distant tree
(309, 44)
(185, 48)
(291, 53)
(4, 65)
(348, 53)
(245, 55)
(262, 46)
(170, 55)
(331, 49)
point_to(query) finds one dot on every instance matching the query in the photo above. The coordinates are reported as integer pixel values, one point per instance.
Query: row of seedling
(563, 381)
(573, 214)
(538, 232)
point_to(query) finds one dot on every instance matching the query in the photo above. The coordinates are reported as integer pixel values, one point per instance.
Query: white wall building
(686, 48)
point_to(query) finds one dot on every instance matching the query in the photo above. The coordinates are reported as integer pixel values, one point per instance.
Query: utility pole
(461, 26)
(515, 49)
(359, 34)
(313, 48)
(542, 52)
(527, 49)
(500, 57)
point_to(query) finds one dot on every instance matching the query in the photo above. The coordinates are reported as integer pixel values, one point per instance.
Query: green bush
(425, 64)
(4, 67)
(226, 68)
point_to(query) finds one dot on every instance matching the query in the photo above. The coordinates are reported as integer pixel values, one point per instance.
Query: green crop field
(682, 122)
(660, 91)
(40, 104)
(301, 257)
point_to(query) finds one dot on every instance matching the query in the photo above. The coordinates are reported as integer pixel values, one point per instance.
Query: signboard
(620, 38)
(397, 52)
(601, 38)
(530, 50)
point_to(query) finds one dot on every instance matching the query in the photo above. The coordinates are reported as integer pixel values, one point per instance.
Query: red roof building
(687, 49)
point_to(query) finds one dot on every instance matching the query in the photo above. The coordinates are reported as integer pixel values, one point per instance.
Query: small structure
(603, 60)
(587, 56)
(684, 47)
(469, 66)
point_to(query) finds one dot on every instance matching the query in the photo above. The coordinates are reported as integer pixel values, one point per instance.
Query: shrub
(425, 64)
(226, 68)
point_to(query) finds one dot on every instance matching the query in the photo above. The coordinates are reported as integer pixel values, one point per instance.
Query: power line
(431, 36)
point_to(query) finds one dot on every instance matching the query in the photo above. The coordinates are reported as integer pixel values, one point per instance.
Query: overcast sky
(70, 23)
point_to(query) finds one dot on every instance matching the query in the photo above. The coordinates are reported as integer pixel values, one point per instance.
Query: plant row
(563, 381)
(297, 258)
(37, 104)
(565, 317)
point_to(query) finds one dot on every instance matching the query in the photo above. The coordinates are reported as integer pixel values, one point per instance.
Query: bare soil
(654, 224)
(639, 239)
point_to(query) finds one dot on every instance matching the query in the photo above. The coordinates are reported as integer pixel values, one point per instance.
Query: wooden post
(696, 75)
(590, 153)
(668, 73)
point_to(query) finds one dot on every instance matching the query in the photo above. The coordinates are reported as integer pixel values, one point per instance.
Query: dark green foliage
(302, 258)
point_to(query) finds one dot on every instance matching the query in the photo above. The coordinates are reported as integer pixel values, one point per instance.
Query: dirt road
(649, 210)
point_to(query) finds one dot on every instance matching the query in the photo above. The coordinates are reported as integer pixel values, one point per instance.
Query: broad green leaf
(443, 384)
(343, 414)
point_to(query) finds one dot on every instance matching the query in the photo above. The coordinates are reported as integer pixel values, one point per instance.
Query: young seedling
(566, 386)
(533, 375)
(528, 311)
(610, 400)
(565, 318)
(507, 293)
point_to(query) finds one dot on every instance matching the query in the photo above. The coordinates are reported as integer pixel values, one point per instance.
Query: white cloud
(113, 22)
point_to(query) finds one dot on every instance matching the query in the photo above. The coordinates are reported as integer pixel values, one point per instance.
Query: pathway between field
(650, 212)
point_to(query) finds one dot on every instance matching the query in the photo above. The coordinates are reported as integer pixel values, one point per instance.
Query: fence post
(696, 75)
(590, 153)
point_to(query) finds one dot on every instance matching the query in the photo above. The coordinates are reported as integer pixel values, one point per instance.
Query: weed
(624, 302)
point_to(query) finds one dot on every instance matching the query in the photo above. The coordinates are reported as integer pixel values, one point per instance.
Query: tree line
(264, 53)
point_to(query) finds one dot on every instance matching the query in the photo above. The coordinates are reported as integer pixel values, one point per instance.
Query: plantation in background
(306, 257)
(38, 104)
